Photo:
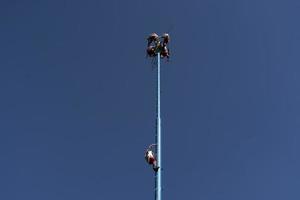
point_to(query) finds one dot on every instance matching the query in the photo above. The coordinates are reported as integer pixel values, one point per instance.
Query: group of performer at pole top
(156, 46)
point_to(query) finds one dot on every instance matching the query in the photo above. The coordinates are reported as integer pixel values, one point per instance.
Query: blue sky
(77, 99)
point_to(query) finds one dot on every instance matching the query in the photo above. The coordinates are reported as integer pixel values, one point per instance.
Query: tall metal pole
(158, 188)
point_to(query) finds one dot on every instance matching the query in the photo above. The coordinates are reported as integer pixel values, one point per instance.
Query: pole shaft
(158, 188)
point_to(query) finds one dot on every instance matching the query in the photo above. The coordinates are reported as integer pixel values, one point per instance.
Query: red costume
(151, 160)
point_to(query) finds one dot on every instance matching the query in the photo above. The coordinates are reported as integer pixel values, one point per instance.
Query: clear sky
(77, 99)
